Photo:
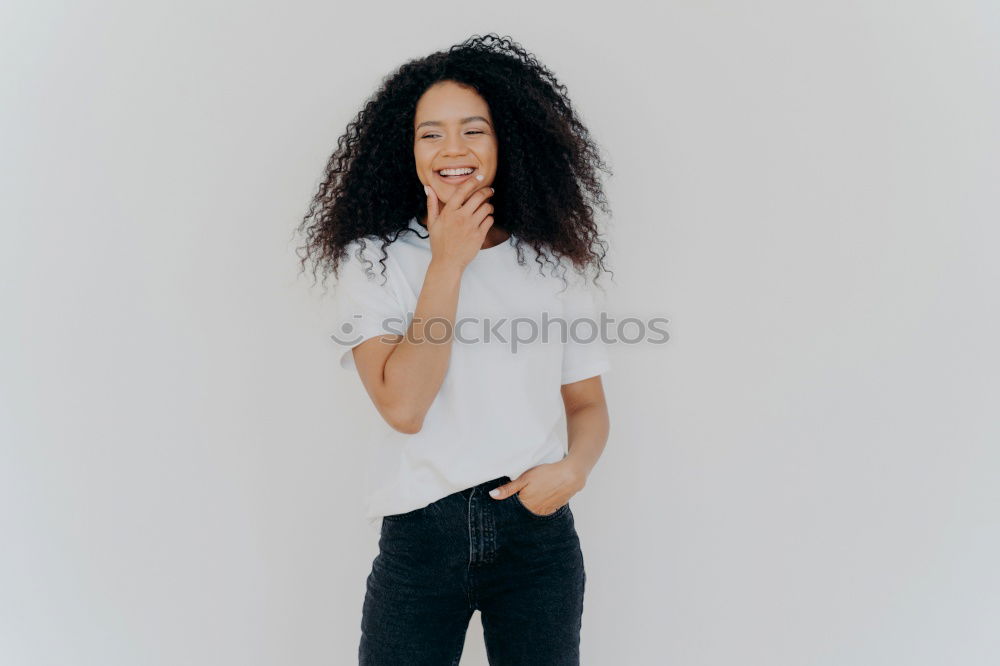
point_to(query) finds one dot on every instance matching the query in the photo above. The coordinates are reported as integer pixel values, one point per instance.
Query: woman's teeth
(455, 172)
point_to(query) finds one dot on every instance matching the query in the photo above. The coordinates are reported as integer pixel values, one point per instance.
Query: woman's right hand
(458, 229)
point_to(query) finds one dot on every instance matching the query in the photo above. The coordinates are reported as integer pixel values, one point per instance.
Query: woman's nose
(454, 146)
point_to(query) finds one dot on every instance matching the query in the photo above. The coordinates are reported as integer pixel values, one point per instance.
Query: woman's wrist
(445, 268)
(578, 468)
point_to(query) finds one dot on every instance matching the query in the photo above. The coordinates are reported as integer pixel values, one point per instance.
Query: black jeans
(468, 551)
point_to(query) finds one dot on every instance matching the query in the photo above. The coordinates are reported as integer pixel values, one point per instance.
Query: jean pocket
(539, 516)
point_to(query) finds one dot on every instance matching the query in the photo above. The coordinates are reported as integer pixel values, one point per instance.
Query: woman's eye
(431, 136)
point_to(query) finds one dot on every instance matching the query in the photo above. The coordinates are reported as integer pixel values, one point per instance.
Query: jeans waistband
(486, 486)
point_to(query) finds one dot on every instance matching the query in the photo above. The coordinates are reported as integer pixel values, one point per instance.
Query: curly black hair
(547, 164)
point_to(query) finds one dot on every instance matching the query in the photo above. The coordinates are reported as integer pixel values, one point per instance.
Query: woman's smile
(455, 180)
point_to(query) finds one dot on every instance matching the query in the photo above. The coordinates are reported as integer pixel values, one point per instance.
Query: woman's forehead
(451, 104)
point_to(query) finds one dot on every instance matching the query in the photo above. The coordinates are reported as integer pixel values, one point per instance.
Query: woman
(472, 172)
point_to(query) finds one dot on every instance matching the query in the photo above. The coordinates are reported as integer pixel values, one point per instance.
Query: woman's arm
(587, 424)
(403, 375)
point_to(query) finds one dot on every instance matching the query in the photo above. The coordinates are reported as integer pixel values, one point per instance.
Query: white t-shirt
(499, 409)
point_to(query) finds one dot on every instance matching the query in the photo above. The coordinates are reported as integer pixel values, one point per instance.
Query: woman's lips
(455, 180)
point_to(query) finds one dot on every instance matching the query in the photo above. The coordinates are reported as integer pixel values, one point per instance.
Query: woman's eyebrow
(464, 120)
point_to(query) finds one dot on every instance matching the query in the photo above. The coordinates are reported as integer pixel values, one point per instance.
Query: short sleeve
(585, 352)
(365, 306)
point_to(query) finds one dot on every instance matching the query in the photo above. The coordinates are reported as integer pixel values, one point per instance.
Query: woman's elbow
(404, 420)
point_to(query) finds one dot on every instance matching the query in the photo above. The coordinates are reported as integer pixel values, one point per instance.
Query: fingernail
(495, 492)
(427, 190)
(479, 176)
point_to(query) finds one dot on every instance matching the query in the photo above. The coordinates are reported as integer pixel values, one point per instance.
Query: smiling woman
(472, 171)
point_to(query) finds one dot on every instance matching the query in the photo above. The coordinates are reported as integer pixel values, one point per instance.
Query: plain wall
(805, 474)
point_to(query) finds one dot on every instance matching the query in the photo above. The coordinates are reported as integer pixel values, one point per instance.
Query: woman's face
(453, 128)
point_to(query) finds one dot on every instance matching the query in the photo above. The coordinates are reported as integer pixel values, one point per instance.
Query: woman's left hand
(544, 488)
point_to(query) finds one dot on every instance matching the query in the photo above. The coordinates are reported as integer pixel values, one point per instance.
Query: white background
(805, 474)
